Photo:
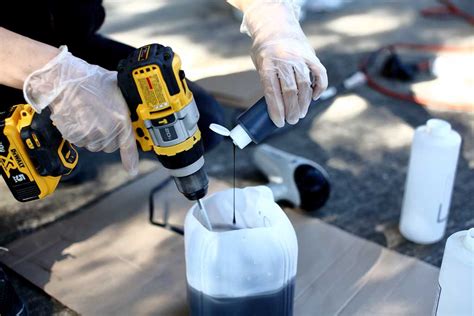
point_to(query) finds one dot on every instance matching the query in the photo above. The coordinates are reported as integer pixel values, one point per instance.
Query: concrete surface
(363, 142)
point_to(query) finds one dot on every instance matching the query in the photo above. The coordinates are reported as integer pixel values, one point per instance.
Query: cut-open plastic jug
(247, 268)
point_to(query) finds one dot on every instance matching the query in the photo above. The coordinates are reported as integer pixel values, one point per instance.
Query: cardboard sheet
(341, 274)
(241, 89)
(107, 260)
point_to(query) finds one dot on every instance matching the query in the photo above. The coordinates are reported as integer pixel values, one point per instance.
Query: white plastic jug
(244, 269)
(429, 185)
(456, 276)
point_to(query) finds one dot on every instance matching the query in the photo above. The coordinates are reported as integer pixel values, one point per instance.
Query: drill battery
(33, 154)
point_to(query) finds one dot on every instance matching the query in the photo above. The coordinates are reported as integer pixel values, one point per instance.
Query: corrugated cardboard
(107, 260)
(241, 89)
(341, 274)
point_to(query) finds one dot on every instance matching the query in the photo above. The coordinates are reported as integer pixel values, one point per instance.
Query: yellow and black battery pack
(33, 154)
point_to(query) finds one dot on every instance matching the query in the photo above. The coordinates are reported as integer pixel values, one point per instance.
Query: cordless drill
(33, 154)
(164, 115)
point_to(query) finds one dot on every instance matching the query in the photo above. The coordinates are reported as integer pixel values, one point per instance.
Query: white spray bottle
(429, 184)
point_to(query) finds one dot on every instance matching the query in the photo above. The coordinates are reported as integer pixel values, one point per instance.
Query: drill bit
(204, 215)
(201, 207)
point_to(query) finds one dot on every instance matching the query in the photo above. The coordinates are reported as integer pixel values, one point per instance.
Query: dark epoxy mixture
(278, 303)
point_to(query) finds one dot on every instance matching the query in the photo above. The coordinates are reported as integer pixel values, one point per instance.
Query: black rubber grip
(183, 159)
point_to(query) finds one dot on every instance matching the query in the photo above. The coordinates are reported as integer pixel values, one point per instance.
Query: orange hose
(423, 101)
(447, 8)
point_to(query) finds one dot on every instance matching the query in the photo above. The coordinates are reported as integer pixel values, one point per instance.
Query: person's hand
(86, 104)
(289, 70)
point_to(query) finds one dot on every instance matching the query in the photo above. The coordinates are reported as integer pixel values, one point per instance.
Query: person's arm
(20, 56)
(86, 104)
(289, 70)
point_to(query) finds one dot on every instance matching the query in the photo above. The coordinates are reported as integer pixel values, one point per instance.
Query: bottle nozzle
(240, 137)
(438, 127)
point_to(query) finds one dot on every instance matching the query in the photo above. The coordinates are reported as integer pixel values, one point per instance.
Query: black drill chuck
(194, 186)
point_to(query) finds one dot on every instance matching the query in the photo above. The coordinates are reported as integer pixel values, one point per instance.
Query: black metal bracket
(151, 218)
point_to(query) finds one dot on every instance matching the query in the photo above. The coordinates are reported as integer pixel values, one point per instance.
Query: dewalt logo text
(18, 159)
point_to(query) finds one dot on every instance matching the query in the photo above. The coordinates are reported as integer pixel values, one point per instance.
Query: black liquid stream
(233, 221)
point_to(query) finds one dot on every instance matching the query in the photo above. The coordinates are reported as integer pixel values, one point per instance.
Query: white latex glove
(86, 104)
(289, 70)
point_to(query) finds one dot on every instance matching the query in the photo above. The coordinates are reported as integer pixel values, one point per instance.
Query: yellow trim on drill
(157, 103)
(25, 117)
(145, 141)
(29, 143)
(70, 165)
(143, 51)
(176, 149)
(18, 157)
(156, 99)
(35, 138)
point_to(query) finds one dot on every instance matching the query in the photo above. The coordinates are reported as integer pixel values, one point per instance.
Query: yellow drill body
(164, 114)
